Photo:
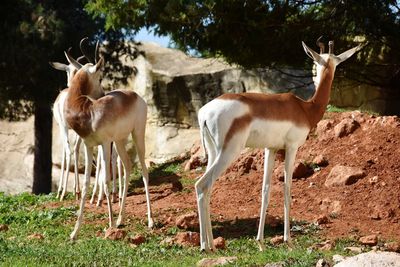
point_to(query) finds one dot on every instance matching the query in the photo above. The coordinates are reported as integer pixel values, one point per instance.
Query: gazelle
(100, 121)
(279, 121)
(58, 112)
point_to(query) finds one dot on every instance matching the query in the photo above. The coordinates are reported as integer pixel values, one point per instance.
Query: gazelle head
(92, 73)
(69, 69)
(327, 60)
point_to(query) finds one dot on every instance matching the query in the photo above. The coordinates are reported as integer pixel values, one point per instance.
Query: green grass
(26, 214)
(332, 108)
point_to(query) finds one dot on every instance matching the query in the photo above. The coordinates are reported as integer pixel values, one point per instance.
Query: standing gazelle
(280, 121)
(111, 118)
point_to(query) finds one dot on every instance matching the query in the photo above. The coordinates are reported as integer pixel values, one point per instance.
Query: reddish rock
(115, 234)
(276, 240)
(343, 175)
(3, 227)
(137, 239)
(187, 239)
(36, 236)
(323, 219)
(393, 246)
(188, 221)
(245, 165)
(219, 243)
(196, 157)
(323, 127)
(320, 160)
(99, 233)
(300, 171)
(369, 240)
(346, 127)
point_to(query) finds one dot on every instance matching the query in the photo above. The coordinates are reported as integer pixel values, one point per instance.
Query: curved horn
(330, 44)
(83, 50)
(320, 45)
(96, 53)
(79, 59)
(71, 60)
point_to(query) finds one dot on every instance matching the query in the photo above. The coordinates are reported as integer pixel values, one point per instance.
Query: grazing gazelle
(279, 121)
(100, 121)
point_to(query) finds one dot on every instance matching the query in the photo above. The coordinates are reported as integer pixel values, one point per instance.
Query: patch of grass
(26, 214)
(332, 108)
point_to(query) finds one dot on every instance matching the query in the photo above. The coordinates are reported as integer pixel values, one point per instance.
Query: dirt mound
(368, 205)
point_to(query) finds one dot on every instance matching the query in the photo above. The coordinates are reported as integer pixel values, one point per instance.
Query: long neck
(320, 99)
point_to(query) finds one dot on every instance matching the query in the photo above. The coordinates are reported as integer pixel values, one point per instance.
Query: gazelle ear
(59, 66)
(313, 55)
(98, 66)
(345, 55)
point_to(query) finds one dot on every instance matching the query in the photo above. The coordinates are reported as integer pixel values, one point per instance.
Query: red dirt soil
(369, 206)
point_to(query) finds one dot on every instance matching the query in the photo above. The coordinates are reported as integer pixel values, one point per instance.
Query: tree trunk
(42, 161)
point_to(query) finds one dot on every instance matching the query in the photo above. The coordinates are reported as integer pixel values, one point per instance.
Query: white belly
(275, 134)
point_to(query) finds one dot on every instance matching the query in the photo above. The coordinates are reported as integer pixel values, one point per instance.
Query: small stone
(393, 246)
(115, 234)
(343, 175)
(137, 239)
(187, 239)
(369, 240)
(323, 219)
(276, 240)
(188, 221)
(346, 127)
(3, 227)
(36, 236)
(373, 180)
(353, 249)
(320, 160)
(208, 262)
(219, 243)
(322, 263)
(99, 233)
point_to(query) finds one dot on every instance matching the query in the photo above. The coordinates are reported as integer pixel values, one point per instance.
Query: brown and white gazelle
(100, 121)
(279, 121)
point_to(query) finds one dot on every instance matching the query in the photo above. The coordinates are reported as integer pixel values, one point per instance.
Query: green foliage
(267, 33)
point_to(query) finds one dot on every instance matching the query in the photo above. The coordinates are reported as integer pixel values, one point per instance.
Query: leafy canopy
(259, 33)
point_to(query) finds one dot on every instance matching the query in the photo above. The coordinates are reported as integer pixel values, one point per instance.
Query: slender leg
(105, 176)
(138, 137)
(99, 183)
(127, 166)
(114, 156)
(269, 160)
(77, 187)
(290, 156)
(88, 170)
(60, 183)
(96, 178)
(203, 188)
(120, 174)
(67, 167)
